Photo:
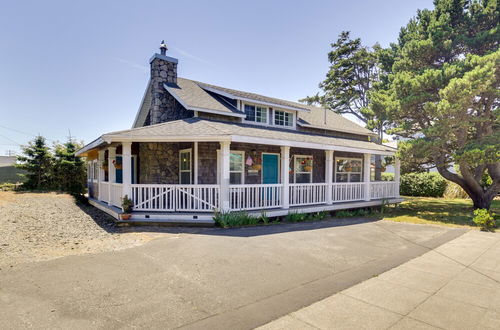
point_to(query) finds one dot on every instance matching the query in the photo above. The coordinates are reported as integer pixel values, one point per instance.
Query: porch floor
(206, 218)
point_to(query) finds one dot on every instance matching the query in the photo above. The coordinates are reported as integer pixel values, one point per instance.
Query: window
(236, 167)
(256, 114)
(95, 165)
(282, 118)
(303, 169)
(348, 169)
(185, 166)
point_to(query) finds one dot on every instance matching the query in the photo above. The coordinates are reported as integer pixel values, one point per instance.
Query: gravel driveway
(42, 226)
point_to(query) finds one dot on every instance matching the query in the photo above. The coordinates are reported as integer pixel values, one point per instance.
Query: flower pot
(125, 216)
(257, 167)
(308, 168)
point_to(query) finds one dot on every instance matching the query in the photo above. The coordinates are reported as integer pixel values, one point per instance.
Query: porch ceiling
(196, 129)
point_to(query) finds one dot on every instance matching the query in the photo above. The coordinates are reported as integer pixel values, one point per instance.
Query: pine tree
(68, 171)
(37, 162)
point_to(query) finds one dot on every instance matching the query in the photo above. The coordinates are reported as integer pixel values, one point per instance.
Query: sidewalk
(455, 286)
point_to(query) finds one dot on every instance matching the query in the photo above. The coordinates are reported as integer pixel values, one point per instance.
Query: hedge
(423, 184)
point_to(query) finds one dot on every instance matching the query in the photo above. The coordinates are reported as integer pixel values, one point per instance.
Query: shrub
(345, 214)
(296, 217)
(387, 176)
(423, 185)
(127, 204)
(453, 190)
(234, 219)
(484, 219)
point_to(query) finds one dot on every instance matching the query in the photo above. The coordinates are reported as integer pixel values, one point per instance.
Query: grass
(11, 174)
(442, 211)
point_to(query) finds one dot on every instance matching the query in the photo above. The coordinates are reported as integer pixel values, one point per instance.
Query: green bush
(387, 176)
(296, 217)
(484, 219)
(422, 185)
(235, 219)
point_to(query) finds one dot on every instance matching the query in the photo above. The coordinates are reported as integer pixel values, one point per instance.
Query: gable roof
(199, 96)
(198, 129)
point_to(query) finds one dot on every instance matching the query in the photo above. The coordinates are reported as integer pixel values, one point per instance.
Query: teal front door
(270, 169)
(119, 172)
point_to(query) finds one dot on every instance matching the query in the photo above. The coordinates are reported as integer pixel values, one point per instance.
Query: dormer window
(283, 118)
(256, 113)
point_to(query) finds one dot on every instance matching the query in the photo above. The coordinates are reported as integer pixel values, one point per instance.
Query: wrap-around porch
(205, 176)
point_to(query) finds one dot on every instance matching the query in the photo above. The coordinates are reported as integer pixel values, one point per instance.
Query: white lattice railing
(307, 193)
(349, 191)
(163, 197)
(255, 196)
(104, 191)
(116, 194)
(384, 189)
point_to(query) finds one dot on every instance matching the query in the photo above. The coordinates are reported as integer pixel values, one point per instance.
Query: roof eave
(369, 133)
(92, 145)
(234, 97)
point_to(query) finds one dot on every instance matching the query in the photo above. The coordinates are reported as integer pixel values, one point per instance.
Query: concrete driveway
(209, 278)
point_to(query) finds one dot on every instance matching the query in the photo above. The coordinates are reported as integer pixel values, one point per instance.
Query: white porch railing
(307, 193)
(104, 191)
(116, 194)
(384, 189)
(347, 192)
(255, 196)
(163, 197)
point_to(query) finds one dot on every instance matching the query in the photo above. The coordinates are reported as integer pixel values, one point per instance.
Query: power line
(19, 144)
(22, 132)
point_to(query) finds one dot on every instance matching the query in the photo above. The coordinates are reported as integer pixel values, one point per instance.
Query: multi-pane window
(282, 118)
(256, 113)
(185, 166)
(236, 167)
(303, 169)
(348, 169)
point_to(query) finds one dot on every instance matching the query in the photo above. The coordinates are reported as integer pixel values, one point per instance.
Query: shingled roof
(197, 129)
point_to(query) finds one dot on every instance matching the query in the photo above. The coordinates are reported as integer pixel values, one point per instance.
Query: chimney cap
(163, 47)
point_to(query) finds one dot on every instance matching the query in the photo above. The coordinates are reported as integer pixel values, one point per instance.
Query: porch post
(329, 175)
(127, 169)
(224, 175)
(366, 175)
(285, 177)
(195, 151)
(100, 157)
(397, 174)
(111, 169)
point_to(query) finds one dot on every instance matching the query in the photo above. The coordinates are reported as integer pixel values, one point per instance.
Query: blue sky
(82, 66)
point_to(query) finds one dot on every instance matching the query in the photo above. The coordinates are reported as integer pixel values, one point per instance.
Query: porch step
(166, 223)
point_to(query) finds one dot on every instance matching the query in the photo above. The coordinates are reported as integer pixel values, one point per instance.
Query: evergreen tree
(443, 92)
(69, 171)
(37, 162)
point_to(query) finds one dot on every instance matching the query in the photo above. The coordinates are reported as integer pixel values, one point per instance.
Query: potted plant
(127, 208)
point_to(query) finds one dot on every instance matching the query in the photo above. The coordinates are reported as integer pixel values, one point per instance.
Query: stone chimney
(163, 71)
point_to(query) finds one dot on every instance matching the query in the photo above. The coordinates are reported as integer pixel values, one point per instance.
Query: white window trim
(242, 153)
(287, 111)
(295, 172)
(95, 166)
(190, 151)
(348, 173)
(256, 105)
(218, 165)
(262, 164)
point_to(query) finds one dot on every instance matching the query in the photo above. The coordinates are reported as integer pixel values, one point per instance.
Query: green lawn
(426, 210)
(10, 174)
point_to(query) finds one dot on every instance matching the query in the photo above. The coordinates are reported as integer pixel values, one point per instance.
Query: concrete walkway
(455, 286)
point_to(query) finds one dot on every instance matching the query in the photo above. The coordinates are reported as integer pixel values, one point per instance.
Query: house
(195, 148)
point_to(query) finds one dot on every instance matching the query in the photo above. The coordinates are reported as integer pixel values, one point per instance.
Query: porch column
(285, 177)
(224, 175)
(195, 151)
(111, 169)
(127, 169)
(366, 175)
(100, 157)
(329, 175)
(397, 174)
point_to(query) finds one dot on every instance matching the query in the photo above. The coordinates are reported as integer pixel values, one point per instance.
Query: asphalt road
(209, 278)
